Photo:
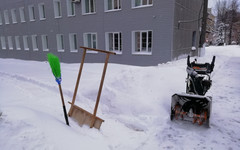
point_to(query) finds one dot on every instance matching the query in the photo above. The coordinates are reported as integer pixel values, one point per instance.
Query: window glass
(142, 42)
(17, 42)
(31, 13)
(25, 42)
(42, 14)
(22, 14)
(14, 17)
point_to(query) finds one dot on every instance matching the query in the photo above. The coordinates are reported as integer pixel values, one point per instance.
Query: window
(31, 13)
(10, 43)
(25, 42)
(3, 42)
(60, 43)
(114, 41)
(22, 14)
(34, 43)
(17, 42)
(70, 8)
(142, 42)
(88, 6)
(6, 17)
(13, 13)
(73, 42)
(57, 8)
(1, 19)
(41, 9)
(90, 40)
(142, 3)
(112, 5)
(45, 43)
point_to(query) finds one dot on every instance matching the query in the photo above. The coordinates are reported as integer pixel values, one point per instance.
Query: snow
(135, 105)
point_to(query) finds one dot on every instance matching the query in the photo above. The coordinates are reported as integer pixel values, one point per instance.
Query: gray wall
(189, 12)
(159, 18)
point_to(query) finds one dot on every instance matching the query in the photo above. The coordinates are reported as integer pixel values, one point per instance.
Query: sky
(211, 3)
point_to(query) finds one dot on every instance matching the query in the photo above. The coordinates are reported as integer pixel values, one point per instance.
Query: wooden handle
(100, 90)
(98, 50)
(77, 83)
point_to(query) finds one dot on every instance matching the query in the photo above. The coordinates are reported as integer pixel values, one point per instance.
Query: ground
(135, 104)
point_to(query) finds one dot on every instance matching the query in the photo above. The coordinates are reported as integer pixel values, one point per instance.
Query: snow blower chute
(194, 105)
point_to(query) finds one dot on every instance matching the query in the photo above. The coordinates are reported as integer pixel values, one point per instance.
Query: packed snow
(135, 104)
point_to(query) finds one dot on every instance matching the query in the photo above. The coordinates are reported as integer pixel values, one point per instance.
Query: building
(210, 27)
(236, 31)
(141, 32)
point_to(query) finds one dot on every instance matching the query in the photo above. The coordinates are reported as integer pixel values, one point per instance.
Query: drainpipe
(204, 23)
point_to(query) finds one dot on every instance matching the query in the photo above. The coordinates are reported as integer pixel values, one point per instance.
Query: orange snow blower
(193, 105)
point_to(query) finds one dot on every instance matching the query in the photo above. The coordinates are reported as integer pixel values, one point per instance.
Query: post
(100, 90)
(77, 83)
(204, 23)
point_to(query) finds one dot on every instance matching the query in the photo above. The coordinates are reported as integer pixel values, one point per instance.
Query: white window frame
(22, 14)
(42, 12)
(118, 4)
(57, 9)
(3, 42)
(31, 11)
(1, 22)
(35, 42)
(91, 9)
(71, 11)
(73, 42)
(141, 51)
(117, 49)
(6, 17)
(14, 16)
(92, 41)
(45, 43)
(10, 43)
(17, 42)
(141, 3)
(25, 43)
(60, 42)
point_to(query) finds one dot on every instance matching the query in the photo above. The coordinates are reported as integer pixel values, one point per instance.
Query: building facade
(210, 27)
(141, 32)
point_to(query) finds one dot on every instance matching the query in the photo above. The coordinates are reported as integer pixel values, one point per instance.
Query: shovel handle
(63, 104)
(65, 115)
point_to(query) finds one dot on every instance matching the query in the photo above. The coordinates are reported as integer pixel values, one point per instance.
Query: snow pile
(135, 105)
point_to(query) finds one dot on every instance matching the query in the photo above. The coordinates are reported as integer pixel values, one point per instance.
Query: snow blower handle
(213, 62)
(188, 61)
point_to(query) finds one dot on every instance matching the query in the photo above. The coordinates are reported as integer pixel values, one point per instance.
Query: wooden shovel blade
(84, 117)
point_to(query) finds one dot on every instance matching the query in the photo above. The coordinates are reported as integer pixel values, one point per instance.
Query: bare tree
(221, 24)
(227, 14)
(232, 15)
(221, 10)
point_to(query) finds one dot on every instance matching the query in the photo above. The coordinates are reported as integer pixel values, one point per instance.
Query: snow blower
(194, 105)
(56, 70)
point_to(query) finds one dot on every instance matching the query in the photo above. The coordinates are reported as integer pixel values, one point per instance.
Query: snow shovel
(56, 70)
(80, 115)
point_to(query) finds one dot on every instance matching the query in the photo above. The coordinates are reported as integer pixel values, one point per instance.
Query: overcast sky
(211, 3)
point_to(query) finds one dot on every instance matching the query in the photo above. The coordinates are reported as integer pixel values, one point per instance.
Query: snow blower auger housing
(193, 105)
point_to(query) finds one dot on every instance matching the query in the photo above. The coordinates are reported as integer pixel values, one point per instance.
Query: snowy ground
(135, 105)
